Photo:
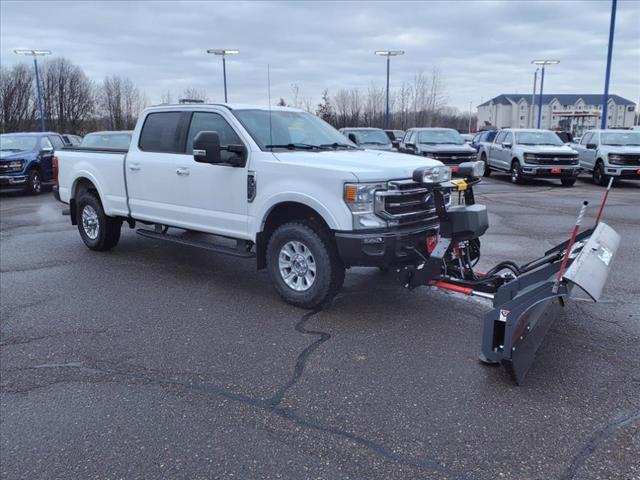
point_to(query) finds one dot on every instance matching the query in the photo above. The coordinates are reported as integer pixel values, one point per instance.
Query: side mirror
(507, 144)
(410, 145)
(352, 137)
(592, 146)
(47, 150)
(395, 143)
(206, 147)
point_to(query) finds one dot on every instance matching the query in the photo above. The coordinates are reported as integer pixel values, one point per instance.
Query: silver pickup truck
(529, 153)
(610, 153)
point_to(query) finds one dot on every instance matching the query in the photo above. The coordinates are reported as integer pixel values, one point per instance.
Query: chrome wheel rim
(35, 182)
(90, 223)
(297, 266)
(514, 174)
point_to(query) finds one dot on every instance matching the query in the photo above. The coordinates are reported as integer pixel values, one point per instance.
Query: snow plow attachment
(527, 299)
(526, 307)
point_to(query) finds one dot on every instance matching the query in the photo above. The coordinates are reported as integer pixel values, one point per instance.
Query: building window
(521, 117)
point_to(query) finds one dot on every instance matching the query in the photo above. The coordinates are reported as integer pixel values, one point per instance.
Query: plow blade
(526, 307)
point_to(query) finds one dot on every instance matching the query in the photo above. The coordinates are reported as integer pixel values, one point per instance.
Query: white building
(574, 113)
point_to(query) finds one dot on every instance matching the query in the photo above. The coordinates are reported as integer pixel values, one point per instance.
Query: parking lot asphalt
(159, 361)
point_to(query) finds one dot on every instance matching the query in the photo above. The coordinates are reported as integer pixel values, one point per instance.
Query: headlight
(360, 198)
(14, 166)
(530, 158)
(429, 155)
(436, 174)
(616, 159)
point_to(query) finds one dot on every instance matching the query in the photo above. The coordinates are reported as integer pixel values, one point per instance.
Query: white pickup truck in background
(284, 186)
(610, 154)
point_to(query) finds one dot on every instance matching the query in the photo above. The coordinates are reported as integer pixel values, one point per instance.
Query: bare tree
(166, 97)
(69, 96)
(17, 105)
(325, 109)
(121, 102)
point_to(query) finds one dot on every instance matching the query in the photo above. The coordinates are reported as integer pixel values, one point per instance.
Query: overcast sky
(481, 48)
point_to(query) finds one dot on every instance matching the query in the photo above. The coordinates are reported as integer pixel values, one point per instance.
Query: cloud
(481, 48)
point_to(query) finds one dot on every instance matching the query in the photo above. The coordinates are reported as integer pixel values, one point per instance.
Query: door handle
(134, 167)
(182, 171)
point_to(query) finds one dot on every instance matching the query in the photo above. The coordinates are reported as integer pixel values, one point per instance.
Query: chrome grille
(453, 158)
(624, 159)
(551, 158)
(406, 202)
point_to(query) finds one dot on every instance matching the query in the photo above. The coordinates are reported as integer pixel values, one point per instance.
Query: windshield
(290, 130)
(118, 141)
(538, 138)
(621, 138)
(370, 137)
(18, 143)
(446, 137)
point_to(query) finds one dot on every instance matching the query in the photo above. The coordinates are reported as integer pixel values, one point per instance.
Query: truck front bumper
(626, 172)
(383, 248)
(550, 171)
(13, 182)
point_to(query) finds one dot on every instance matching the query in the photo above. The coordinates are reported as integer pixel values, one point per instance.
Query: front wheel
(487, 170)
(304, 265)
(97, 230)
(34, 182)
(568, 182)
(516, 173)
(599, 177)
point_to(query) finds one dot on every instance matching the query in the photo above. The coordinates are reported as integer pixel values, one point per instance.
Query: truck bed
(104, 167)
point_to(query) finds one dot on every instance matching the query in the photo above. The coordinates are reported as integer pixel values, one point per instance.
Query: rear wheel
(568, 182)
(599, 177)
(487, 170)
(304, 265)
(97, 230)
(34, 182)
(516, 172)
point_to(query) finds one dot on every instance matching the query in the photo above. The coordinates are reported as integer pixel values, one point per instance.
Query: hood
(6, 156)
(388, 147)
(366, 165)
(631, 149)
(547, 148)
(466, 148)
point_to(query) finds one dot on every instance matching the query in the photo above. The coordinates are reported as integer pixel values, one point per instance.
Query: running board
(242, 248)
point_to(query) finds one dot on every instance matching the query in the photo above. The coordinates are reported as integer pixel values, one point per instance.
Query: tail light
(55, 171)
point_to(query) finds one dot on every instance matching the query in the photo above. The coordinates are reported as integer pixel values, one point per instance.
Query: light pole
(470, 107)
(388, 54)
(35, 54)
(605, 97)
(223, 53)
(543, 63)
(533, 99)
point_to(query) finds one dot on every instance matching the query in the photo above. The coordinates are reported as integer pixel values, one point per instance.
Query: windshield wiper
(373, 143)
(336, 145)
(296, 146)
(9, 149)
(450, 143)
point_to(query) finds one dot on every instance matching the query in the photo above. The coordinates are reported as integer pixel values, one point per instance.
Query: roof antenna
(269, 93)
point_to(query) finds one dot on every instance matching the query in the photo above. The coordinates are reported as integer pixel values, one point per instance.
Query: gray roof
(563, 98)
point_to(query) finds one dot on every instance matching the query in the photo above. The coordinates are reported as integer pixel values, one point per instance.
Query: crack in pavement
(272, 404)
(598, 439)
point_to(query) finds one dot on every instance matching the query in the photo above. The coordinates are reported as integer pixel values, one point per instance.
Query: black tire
(568, 182)
(34, 182)
(487, 169)
(329, 269)
(108, 228)
(516, 173)
(599, 177)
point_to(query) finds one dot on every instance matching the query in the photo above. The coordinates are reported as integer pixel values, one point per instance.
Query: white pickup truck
(284, 186)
